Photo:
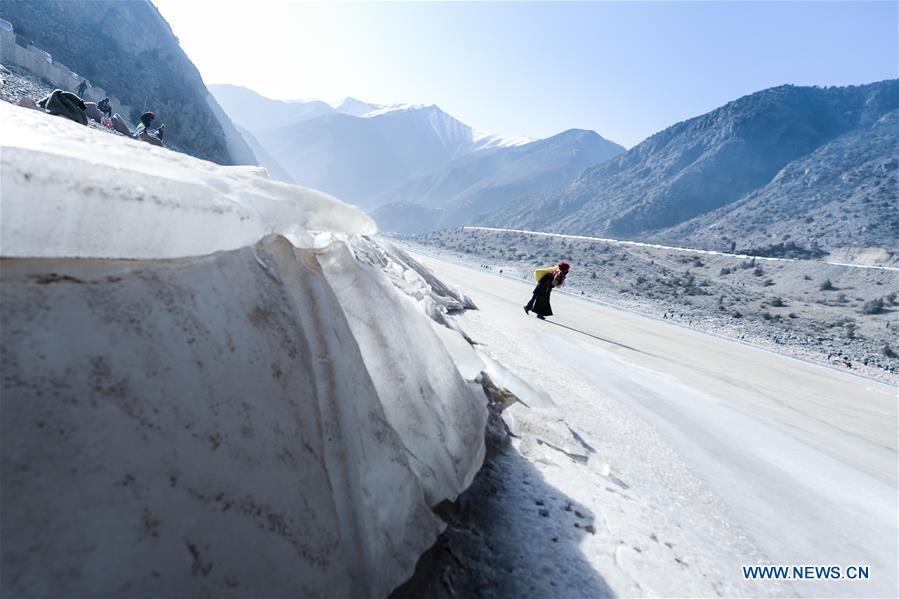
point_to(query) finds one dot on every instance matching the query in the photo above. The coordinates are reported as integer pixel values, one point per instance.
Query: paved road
(804, 456)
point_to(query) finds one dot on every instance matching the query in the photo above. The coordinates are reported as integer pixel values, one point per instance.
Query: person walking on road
(547, 278)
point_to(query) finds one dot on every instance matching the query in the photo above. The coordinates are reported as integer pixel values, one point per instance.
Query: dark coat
(539, 303)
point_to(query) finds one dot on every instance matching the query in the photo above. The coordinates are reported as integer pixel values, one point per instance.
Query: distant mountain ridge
(354, 107)
(698, 168)
(414, 166)
(854, 200)
(260, 115)
(357, 158)
(255, 113)
(468, 188)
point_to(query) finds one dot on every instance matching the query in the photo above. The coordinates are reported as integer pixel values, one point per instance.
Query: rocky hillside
(467, 188)
(844, 194)
(722, 158)
(129, 49)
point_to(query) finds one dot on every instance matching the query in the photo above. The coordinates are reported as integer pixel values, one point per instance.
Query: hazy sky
(623, 69)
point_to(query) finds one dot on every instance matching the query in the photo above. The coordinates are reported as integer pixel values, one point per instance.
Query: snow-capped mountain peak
(483, 140)
(458, 137)
(354, 107)
(455, 136)
(397, 107)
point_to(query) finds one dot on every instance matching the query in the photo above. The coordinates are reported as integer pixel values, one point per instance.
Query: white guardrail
(671, 248)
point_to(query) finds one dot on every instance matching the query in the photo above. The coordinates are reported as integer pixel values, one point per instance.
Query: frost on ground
(547, 516)
(830, 313)
(683, 466)
(214, 383)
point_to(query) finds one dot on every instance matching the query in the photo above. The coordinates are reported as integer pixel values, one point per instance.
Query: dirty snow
(134, 200)
(236, 389)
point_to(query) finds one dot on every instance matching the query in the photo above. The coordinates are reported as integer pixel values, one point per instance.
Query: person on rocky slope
(143, 132)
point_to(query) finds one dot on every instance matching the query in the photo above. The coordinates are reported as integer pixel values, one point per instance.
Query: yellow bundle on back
(542, 272)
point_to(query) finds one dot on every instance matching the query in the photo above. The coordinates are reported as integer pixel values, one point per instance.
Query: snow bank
(425, 400)
(237, 412)
(535, 399)
(435, 298)
(133, 200)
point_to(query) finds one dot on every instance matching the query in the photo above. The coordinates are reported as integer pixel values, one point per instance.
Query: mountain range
(784, 167)
(788, 170)
(844, 194)
(414, 166)
(469, 188)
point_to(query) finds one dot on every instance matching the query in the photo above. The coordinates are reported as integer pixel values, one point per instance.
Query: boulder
(26, 102)
(119, 124)
(150, 138)
(92, 112)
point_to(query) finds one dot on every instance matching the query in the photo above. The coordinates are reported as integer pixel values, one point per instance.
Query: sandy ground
(733, 454)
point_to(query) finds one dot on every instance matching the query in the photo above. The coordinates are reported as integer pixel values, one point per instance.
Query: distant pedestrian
(547, 278)
(82, 87)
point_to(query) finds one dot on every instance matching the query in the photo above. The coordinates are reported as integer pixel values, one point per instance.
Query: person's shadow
(598, 338)
(511, 534)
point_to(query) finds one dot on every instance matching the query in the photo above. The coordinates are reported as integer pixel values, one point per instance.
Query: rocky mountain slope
(715, 160)
(129, 49)
(467, 188)
(844, 194)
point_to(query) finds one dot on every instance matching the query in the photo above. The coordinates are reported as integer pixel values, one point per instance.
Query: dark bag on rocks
(65, 104)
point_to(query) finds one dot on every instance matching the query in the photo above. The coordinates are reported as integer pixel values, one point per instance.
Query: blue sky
(623, 69)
